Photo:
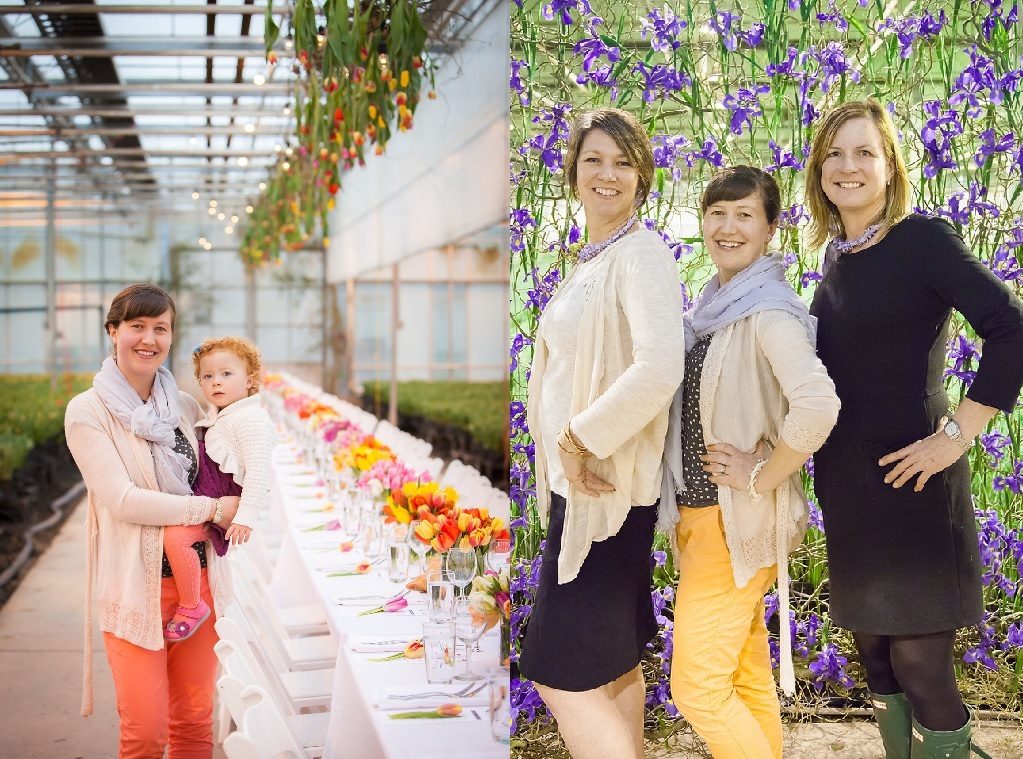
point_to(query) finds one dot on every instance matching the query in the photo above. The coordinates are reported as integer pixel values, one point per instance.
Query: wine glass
(462, 566)
(498, 555)
(468, 629)
(418, 546)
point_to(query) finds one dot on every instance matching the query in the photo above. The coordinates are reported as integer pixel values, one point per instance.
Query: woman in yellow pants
(755, 403)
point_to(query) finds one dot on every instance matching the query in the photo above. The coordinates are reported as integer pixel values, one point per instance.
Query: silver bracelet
(751, 489)
(218, 513)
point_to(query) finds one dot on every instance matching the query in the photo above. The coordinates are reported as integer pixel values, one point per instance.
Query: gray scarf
(761, 286)
(154, 421)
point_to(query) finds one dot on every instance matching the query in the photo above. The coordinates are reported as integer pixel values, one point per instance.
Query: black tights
(919, 666)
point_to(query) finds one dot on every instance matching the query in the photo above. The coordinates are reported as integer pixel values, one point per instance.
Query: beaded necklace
(839, 247)
(591, 251)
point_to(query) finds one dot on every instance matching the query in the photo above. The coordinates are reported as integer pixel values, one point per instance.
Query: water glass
(463, 566)
(499, 682)
(440, 595)
(417, 545)
(498, 555)
(397, 562)
(439, 649)
(469, 627)
(372, 535)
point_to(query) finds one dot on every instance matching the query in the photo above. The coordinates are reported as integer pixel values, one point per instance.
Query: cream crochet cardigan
(629, 361)
(761, 380)
(240, 438)
(124, 526)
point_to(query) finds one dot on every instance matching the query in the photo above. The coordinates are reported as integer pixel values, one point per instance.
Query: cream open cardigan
(124, 526)
(629, 361)
(240, 439)
(761, 380)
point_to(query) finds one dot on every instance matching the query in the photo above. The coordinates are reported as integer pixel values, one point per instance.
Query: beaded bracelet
(751, 488)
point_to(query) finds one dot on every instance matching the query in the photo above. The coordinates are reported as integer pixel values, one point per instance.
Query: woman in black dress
(893, 481)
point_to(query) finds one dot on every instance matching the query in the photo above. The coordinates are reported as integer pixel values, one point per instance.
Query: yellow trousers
(721, 677)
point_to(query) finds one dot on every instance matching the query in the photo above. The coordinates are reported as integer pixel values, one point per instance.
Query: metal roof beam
(86, 153)
(152, 89)
(140, 131)
(110, 47)
(106, 111)
(61, 9)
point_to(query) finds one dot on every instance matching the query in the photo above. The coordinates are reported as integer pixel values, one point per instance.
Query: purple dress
(213, 483)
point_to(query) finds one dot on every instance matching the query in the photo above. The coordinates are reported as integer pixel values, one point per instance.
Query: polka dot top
(700, 491)
(182, 448)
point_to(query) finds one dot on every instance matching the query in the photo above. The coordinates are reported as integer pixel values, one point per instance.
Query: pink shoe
(181, 630)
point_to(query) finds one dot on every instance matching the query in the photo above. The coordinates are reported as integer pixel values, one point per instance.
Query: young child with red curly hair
(234, 459)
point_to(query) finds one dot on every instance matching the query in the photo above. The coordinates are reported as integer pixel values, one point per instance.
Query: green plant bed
(480, 408)
(30, 412)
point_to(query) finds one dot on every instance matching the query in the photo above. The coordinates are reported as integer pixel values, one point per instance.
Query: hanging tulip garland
(360, 74)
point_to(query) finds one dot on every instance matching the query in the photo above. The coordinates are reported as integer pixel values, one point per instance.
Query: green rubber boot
(894, 718)
(952, 744)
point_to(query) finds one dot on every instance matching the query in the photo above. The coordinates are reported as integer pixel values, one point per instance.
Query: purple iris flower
(516, 83)
(728, 27)
(783, 159)
(745, 106)
(667, 151)
(664, 27)
(833, 16)
(994, 445)
(563, 8)
(911, 28)
(1012, 482)
(661, 81)
(830, 667)
(989, 145)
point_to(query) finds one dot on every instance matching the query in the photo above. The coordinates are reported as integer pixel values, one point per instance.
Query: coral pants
(166, 695)
(721, 677)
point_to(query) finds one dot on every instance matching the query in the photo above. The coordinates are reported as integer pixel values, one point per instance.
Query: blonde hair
(826, 221)
(244, 349)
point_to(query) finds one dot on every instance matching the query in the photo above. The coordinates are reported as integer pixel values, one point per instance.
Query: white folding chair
(294, 690)
(249, 569)
(308, 730)
(261, 734)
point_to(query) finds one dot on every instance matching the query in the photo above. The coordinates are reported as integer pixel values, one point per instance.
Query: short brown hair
(627, 133)
(738, 182)
(136, 301)
(244, 349)
(825, 219)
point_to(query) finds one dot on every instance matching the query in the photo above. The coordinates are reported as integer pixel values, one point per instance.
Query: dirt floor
(48, 473)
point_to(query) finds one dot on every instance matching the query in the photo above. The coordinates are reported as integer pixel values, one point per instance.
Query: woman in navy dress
(893, 479)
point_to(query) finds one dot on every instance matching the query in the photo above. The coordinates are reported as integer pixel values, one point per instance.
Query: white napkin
(378, 644)
(381, 698)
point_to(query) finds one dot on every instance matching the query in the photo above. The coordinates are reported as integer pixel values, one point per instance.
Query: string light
(234, 219)
(208, 245)
(249, 209)
(195, 195)
(250, 127)
(213, 204)
(229, 229)
(221, 216)
(259, 80)
(262, 185)
(213, 211)
(243, 161)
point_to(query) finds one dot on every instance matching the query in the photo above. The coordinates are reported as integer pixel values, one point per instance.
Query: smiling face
(854, 173)
(606, 180)
(141, 346)
(224, 378)
(736, 233)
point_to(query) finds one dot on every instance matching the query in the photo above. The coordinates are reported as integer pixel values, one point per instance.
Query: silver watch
(952, 429)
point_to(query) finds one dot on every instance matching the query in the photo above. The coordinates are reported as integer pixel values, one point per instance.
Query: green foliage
(31, 413)
(477, 407)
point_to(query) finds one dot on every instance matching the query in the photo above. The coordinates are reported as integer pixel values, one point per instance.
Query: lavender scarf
(154, 421)
(761, 286)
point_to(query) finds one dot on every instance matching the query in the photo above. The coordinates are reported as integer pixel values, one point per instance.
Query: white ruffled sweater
(240, 438)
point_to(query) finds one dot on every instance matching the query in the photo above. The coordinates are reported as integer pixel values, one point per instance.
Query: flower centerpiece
(417, 499)
(490, 599)
(360, 454)
(388, 475)
(466, 528)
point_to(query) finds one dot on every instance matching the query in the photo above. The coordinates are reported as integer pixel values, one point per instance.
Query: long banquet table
(357, 729)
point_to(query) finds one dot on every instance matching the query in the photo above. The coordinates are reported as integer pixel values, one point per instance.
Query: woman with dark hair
(892, 480)
(756, 402)
(605, 366)
(132, 437)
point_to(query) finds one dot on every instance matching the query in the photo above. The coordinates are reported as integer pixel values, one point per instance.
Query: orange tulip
(449, 710)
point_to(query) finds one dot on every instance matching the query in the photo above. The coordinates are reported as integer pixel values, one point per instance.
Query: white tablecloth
(357, 729)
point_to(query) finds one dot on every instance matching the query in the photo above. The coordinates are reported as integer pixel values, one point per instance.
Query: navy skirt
(594, 629)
